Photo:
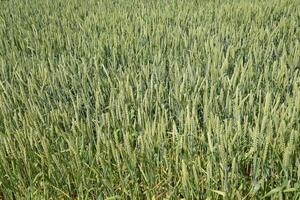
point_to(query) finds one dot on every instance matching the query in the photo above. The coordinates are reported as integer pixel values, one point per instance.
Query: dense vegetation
(136, 99)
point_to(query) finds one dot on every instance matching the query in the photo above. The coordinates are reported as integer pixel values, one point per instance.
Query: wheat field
(149, 99)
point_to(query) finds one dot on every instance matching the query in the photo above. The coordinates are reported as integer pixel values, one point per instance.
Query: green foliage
(149, 99)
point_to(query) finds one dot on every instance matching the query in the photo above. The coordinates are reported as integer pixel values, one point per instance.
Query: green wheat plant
(136, 99)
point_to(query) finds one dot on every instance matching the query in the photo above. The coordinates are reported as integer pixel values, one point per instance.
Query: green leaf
(219, 192)
(273, 191)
